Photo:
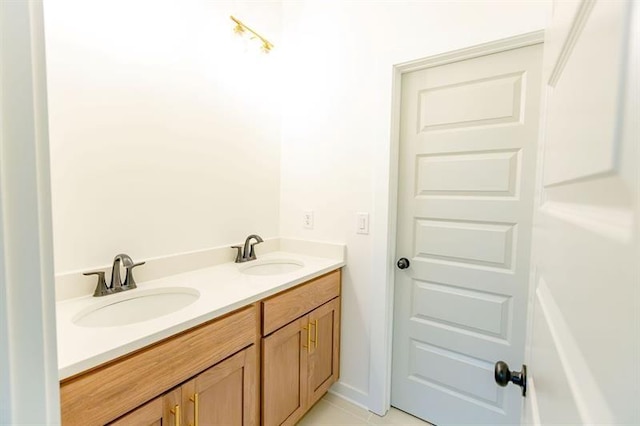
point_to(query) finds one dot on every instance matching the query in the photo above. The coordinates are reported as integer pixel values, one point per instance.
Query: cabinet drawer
(107, 392)
(283, 308)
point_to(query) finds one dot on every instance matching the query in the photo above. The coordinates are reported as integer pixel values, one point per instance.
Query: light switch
(362, 224)
(307, 219)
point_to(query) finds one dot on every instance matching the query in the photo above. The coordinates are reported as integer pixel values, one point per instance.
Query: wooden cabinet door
(324, 358)
(225, 394)
(160, 411)
(284, 374)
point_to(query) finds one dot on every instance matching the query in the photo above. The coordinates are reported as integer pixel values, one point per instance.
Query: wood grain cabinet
(210, 374)
(300, 360)
(225, 394)
(217, 360)
(158, 412)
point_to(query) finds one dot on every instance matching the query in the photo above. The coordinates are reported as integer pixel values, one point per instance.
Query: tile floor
(333, 410)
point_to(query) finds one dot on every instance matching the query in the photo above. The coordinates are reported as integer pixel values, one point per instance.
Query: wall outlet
(307, 219)
(362, 223)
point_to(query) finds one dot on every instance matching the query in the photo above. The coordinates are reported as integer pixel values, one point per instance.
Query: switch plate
(307, 219)
(362, 223)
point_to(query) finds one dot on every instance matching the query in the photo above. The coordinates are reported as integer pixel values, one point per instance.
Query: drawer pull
(196, 410)
(176, 412)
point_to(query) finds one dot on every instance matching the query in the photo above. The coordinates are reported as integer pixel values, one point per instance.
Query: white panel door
(468, 148)
(584, 362)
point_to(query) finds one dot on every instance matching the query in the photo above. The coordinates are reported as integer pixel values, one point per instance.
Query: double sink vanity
(246, 343)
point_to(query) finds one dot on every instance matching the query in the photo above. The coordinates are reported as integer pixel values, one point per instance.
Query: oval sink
(271, 267)
(136, 306)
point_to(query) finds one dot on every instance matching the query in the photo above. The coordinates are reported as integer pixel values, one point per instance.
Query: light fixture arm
(266, 44)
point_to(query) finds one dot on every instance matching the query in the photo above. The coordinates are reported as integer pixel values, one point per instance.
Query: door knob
(403, 263)
(503, 376)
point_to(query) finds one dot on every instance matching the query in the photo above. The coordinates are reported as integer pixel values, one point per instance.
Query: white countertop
(223, 288)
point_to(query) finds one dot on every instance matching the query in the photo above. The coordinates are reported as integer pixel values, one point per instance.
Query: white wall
(336, 137)
(165, 133)
(165, 136)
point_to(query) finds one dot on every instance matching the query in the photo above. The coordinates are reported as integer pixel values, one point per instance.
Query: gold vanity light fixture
(241, 29)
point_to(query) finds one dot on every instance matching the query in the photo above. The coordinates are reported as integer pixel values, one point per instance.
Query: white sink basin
(135, 306)
(271, 267)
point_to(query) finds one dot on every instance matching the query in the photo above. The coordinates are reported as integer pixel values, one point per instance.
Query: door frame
(386, 208)
(29, 388)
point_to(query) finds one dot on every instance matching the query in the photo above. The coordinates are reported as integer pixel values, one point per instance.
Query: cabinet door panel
(157, 412)
(221, 403)
(169, 401)
(149, 414)
(226, 392)
(324, 360)
(284, 366)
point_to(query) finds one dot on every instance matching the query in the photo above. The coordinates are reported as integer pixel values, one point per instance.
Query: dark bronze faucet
(247, 253)
(116, 285)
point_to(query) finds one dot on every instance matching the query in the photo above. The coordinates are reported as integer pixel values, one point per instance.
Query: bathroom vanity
(265, 359)
(300, 348)
(215, 360)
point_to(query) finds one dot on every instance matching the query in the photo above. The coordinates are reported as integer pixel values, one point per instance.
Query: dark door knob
(403, 263)
(503, 376)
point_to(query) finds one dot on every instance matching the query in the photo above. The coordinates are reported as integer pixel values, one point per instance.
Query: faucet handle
(101, 288)
(238, 254)
(129, 282)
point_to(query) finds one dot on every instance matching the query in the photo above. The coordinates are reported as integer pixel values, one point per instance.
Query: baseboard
(349, 393)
